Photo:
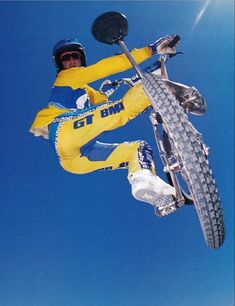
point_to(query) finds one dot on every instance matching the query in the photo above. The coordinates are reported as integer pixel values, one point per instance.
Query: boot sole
(163, 204)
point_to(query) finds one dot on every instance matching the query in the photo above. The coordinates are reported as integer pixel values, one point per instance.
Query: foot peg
(165, 208)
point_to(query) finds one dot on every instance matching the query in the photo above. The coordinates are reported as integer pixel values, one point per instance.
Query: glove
(161, 46)
(108, 88)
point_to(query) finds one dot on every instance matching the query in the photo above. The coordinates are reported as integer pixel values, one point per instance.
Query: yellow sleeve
(95, 96)
(79, 77)
(43, 118)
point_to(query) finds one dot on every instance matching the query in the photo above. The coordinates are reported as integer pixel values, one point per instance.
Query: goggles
(68, 55)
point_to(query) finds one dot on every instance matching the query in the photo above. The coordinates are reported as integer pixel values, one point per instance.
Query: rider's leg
(146, 186)
(94, 156)
(74, 136)
(134, 156)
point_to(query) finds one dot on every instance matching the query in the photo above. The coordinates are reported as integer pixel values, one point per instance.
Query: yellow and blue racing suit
(77, 115)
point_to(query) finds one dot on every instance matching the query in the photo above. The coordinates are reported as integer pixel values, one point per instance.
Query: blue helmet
(68, 45)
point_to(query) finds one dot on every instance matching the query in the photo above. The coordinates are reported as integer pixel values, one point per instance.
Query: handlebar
(153, 67)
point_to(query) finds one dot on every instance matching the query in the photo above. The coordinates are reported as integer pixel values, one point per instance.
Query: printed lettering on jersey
(113, 109)
(83, 122)
(87, 118)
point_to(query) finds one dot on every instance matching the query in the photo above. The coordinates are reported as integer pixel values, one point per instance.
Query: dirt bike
(181, 147)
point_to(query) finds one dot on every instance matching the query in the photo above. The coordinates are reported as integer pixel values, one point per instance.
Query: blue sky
(69, 240)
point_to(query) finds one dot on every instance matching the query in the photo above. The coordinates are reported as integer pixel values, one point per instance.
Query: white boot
(150, 188)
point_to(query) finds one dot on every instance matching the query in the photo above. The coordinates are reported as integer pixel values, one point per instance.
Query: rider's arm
(79, 77)
(95, 96)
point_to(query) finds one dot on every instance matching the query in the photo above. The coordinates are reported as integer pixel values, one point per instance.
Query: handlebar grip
(174, 41)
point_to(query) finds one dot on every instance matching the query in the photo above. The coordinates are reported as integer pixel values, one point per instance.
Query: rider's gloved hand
(161, 46)
(108, 88)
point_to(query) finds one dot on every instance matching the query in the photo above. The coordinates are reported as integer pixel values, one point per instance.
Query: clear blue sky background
(69, 240)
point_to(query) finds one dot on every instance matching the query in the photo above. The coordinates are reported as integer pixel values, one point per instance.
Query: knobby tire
(188, 148)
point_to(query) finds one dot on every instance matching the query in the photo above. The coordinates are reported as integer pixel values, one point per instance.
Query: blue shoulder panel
(65, 96)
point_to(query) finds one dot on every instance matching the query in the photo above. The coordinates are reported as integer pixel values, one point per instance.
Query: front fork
(171, 165)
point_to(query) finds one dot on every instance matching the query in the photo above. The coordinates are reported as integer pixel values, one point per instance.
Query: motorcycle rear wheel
(188, 147)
